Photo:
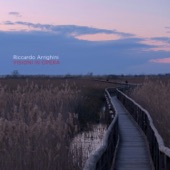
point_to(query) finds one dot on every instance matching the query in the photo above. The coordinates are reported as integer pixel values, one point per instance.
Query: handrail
(159, 152)
(117, 82)
(102, 159)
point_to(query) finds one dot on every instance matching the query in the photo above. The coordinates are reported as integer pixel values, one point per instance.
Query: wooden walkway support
(133, 153)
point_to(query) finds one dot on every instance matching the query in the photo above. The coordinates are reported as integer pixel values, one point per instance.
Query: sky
(56, 37)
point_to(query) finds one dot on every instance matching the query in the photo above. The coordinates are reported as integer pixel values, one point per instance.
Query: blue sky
(102, 37)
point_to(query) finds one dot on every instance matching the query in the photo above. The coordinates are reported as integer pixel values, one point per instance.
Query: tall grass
(36, 126)
(39, 118)
(154, 96)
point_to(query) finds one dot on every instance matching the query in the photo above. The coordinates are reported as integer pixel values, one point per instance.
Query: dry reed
(37, 124)
(155, 97)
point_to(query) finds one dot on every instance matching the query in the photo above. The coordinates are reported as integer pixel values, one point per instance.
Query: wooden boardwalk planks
(132, 153)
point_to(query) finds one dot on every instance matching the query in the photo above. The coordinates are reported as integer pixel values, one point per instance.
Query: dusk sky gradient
(98, 36)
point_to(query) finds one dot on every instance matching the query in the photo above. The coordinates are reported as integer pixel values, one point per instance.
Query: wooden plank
(132, 153)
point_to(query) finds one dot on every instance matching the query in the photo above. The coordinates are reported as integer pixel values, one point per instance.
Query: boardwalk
(133, 153)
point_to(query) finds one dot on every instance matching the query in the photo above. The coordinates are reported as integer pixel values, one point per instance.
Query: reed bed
(37, 124)
(39, 117)
(87, 142)
(154, 96)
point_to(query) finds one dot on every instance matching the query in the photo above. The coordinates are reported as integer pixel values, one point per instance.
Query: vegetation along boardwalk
(133, 153)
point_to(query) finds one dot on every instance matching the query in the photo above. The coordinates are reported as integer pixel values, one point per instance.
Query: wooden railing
(159, 153)
(102, 159)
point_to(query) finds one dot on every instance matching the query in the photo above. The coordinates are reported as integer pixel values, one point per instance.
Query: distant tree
(90, 74)
(15, 73)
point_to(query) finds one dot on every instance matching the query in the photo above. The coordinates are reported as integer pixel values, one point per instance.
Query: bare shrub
(154, 96)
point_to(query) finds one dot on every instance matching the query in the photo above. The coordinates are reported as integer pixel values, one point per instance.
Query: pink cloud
(161, 60)
(99, 37)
